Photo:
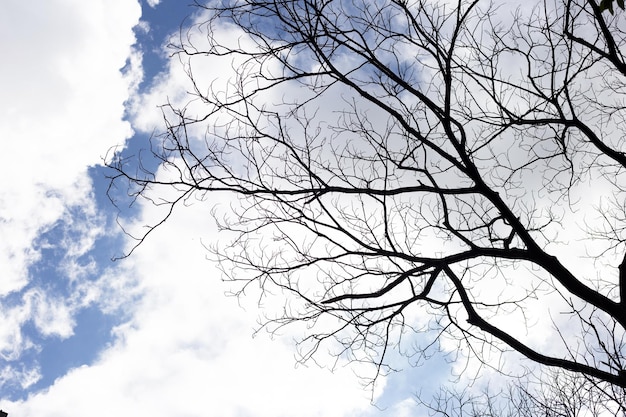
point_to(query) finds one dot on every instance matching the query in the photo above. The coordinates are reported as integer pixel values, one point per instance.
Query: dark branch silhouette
(403, 159)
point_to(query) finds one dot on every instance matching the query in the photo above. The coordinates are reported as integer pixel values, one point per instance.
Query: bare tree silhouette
(453, 169)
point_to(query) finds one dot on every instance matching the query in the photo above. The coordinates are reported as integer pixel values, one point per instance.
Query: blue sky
(151, 335)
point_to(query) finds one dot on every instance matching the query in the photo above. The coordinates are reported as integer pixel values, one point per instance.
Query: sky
(83, 334)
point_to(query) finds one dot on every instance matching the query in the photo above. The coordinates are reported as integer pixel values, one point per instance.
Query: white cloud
(12, 341)
(24, 377)
(189, 351)
(63, 96)
(405, 408)
(52, 317)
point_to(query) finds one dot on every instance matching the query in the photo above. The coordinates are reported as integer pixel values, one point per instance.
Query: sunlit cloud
(64, 96)
(190, 350)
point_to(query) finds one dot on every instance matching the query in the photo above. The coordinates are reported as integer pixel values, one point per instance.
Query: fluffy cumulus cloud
(63, 107)
(189, 350)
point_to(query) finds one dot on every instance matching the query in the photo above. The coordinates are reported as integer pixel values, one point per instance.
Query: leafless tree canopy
(454, 169)
(552, 394)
